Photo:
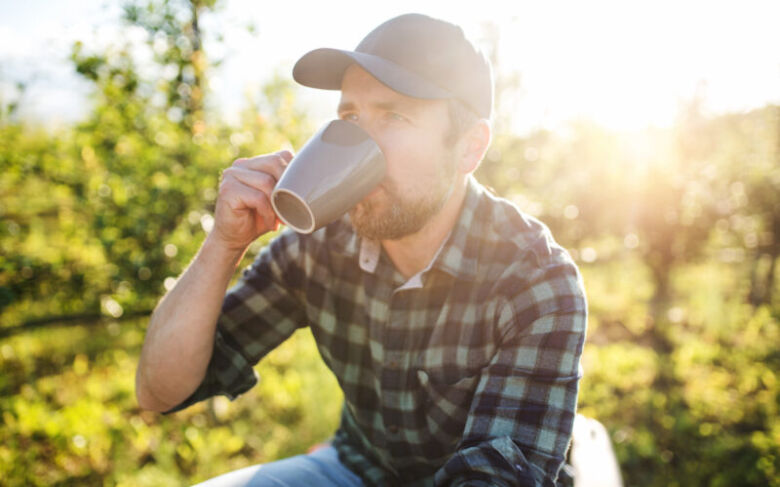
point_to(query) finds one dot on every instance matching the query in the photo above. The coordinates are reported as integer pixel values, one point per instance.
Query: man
(453, 322)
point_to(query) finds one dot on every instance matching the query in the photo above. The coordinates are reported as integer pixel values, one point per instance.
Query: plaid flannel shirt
(466, 374)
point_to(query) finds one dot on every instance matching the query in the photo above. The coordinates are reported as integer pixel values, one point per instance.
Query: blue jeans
(319, 468)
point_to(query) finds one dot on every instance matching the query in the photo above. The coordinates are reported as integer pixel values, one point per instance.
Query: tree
(123, 199)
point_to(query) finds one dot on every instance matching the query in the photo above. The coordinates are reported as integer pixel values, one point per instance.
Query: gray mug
(335, 169)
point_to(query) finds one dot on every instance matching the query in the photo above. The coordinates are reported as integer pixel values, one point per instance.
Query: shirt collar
(369, 254)
(456, 256)
(459, 255)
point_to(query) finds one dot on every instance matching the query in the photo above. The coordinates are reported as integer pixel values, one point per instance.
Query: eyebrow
(382, 105)
(345, 106)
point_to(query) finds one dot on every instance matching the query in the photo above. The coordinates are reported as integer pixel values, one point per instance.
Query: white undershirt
(369, 259)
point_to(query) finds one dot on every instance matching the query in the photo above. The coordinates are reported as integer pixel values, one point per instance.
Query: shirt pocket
(445, 406)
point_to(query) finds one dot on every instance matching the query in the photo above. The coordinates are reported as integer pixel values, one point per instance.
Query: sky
(623, 64)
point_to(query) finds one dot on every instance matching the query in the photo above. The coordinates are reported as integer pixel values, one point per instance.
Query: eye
(396, 117)
(349, 117)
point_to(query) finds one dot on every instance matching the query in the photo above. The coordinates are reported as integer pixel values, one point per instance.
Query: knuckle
(285, 155)
(227, 185)
(226, 175)
(275, 159)
(267, 182)
(263, 199)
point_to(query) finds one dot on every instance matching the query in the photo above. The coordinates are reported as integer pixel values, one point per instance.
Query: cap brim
(324, 69)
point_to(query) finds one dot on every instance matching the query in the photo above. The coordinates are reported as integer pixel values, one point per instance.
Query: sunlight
(628, 65)
(624, 65)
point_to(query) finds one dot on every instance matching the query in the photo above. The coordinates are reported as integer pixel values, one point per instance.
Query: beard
(389, 215)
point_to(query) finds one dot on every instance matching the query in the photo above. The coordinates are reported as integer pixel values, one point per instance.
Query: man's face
(421, 170)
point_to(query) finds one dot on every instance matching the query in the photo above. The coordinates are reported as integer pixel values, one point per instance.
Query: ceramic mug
(339, 166)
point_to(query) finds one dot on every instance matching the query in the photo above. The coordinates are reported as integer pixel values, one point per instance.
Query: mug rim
(305, 230)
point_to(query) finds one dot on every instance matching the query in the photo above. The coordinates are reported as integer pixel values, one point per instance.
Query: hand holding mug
(243, 210)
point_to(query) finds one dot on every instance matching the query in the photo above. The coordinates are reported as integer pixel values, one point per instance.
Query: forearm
(180, 337)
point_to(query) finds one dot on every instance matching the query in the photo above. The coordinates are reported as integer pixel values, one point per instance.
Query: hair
(462, 118)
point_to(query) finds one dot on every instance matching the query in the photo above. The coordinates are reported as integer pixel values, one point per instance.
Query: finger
(272, 163)
(241, 197)
(257, 179)
(286, 155)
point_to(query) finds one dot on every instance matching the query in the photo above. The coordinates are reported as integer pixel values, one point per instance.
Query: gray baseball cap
(413, 54)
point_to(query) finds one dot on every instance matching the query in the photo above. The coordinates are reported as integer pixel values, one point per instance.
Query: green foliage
(676, 232)
(70, 416)
(118, 204)
(704, 413)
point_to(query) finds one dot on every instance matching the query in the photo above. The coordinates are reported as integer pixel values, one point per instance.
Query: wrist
(216, 250)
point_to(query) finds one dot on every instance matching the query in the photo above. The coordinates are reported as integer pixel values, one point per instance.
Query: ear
(473, 146)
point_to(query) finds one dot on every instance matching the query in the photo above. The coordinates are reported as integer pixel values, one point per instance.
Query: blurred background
(645, 134)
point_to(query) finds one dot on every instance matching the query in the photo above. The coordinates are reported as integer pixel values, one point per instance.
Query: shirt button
(392, 429)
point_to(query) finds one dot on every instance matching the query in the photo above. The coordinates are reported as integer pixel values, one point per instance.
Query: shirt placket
(379, 284)
(395, 376)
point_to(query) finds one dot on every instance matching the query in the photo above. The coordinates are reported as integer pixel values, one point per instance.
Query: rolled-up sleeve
(261, 311)
(520, 421)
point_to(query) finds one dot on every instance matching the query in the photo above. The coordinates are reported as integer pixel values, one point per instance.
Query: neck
(413, 253)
